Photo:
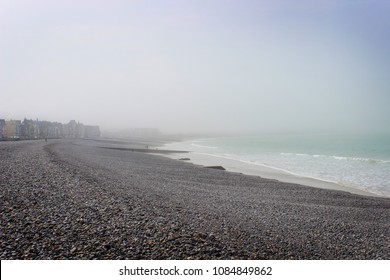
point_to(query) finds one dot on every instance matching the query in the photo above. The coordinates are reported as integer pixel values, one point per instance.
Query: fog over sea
(360, 161)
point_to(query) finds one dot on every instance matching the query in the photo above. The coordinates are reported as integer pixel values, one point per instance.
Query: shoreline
(135, 205)
(163, 148)
(246, 168)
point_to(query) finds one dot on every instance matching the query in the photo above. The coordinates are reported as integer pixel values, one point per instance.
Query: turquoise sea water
(358, 161)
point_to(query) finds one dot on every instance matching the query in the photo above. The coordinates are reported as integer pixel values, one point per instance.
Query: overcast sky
(198, 66)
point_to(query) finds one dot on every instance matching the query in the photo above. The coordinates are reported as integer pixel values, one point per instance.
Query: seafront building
(35, 129)
(12, 129)
(2, 129)
(91, 131)
(29, 129)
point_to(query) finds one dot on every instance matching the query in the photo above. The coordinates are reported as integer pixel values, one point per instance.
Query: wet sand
(73, 199)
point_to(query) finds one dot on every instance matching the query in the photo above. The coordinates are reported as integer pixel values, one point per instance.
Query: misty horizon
(207, 67)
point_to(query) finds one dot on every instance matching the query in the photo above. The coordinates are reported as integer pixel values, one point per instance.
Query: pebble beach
(78, 199)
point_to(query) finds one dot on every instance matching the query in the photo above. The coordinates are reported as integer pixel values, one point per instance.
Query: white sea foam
(340, 158)
(369, 160)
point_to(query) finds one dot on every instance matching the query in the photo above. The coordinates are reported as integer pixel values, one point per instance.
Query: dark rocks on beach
(216, 167)
(185, 158)
(69, 199)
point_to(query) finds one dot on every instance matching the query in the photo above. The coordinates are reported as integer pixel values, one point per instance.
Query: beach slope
(76, 200)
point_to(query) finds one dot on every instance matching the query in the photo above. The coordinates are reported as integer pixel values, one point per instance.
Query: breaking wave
(340, 158)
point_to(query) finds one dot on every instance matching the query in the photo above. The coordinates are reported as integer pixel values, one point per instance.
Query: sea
(360, 161)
